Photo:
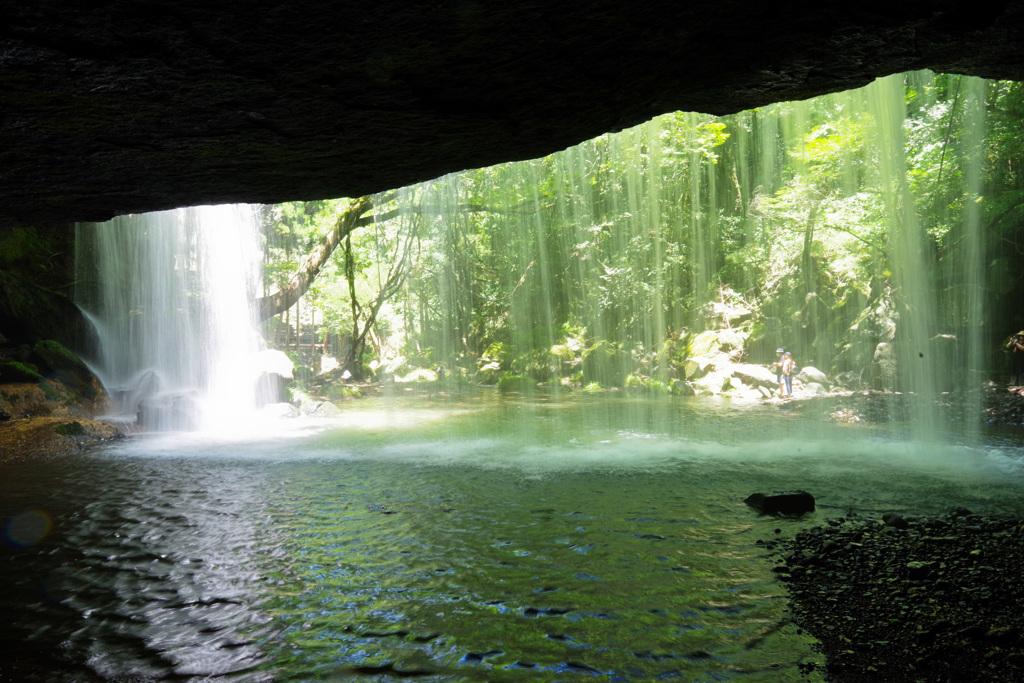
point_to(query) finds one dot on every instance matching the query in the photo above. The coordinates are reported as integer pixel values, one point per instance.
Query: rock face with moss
(48, 398)
(50, 371)
(29, 313)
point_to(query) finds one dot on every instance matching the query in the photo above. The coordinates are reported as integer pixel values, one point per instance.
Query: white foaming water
(477, 439)
(172, 298)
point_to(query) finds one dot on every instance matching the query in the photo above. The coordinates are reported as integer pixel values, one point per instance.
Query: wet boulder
(755, 375)
(169, 412)
(815, 389)
(812, 375)
(795, 502)
(57, 362)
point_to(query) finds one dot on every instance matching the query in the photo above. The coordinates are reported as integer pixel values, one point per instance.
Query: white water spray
(172, 295)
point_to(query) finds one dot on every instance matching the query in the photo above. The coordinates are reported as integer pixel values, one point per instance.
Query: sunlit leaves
(628, 234)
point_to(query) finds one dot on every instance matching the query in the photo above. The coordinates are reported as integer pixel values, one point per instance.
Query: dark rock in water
(895, 520)
(781, 502)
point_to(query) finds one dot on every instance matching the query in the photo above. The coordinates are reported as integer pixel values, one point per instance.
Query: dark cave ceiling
(125, 106)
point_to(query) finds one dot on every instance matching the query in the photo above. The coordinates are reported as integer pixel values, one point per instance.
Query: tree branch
(285, 298)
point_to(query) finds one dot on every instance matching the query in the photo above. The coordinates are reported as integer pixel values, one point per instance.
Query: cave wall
(136, 106)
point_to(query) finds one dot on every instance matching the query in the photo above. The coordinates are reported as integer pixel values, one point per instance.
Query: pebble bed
(909, 599)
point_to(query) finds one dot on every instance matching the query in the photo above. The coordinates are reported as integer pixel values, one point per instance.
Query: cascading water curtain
(172, 296)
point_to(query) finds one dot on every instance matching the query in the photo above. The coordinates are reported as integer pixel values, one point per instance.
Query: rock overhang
(138, 106)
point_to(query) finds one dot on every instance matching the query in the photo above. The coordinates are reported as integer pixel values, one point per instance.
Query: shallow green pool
(468, 538)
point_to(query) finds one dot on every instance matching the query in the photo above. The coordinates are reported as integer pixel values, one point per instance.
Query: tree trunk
(354, 350)
(285, 298)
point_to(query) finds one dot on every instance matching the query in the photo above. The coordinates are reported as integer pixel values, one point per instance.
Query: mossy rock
(704, 344)
(44, 437)
(645, 385)
(29, 313)
(70, 429)
(712, 342)
(13, 372)
(488, 373)
(57, 362)
(52, 355)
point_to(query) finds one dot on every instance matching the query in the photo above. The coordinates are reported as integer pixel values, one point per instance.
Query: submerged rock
(169, 412)
(781, 502)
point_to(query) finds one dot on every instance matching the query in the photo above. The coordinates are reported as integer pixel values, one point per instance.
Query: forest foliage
(823, 226)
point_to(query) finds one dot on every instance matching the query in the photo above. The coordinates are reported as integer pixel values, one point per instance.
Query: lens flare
(28, 528)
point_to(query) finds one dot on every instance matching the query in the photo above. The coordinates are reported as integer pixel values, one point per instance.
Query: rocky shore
(48, 437)
(48, 398)
(910, 599)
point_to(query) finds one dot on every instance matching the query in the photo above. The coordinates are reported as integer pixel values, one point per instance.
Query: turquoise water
(447, 538)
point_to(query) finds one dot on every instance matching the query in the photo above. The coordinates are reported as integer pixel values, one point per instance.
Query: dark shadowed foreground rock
(781, 502)
(939, 600)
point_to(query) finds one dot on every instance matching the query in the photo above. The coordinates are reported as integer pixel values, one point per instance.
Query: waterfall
(633, 260)
(171, 294)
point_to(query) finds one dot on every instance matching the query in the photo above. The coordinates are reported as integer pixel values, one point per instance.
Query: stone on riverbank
(781, 502)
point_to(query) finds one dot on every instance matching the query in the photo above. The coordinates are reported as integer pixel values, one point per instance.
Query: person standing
(1015, 346)
(784, 372)
(788, 364)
